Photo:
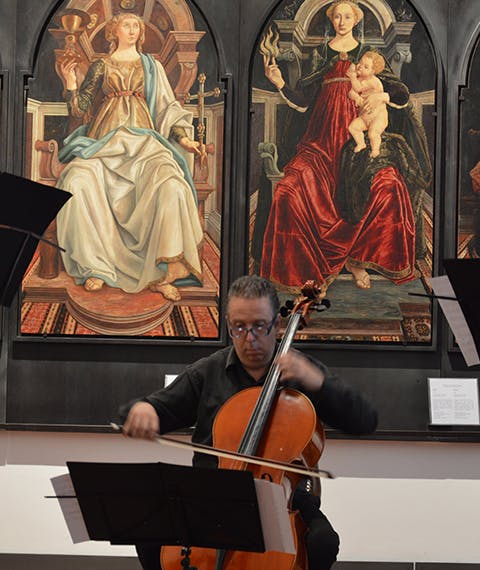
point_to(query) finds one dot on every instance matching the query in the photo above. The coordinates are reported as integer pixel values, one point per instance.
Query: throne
(171, 38)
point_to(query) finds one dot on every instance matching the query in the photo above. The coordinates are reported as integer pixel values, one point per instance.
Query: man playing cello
(197, 394)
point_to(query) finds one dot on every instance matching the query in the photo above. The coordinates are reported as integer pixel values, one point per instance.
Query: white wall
(390, 501)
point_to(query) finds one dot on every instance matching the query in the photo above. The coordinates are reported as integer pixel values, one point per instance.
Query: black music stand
(464, 276)
(159, 503)
(27, 209)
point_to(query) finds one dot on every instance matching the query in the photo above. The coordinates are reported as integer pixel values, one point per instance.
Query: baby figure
(375, 119)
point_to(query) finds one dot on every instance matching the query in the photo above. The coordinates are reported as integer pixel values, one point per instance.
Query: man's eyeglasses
(260, 329)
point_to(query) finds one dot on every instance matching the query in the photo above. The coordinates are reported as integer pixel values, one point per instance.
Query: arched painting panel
(358, 220)
(139, 143)
(468, 222)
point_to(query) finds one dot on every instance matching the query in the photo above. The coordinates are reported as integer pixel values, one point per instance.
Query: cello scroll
(311, 299)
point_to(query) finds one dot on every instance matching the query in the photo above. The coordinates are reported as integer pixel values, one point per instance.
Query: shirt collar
(232, 359)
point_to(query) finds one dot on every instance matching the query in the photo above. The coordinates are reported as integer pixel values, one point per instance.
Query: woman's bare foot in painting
(93, 284)
(169, 291)
(362, 279)
(359, 276)
(176, 270)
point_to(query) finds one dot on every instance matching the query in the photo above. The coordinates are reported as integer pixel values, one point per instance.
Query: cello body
(291, 414)
(206, 558)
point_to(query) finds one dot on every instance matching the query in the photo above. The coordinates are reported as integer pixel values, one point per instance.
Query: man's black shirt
(196, 395)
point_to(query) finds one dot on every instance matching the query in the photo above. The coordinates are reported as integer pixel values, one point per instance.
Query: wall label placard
(453, 401)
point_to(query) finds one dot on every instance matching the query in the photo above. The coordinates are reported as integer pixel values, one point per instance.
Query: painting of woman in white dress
(125, 110)
(133, 221)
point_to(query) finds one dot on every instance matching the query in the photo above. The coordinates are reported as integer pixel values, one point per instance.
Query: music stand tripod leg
(185, 552)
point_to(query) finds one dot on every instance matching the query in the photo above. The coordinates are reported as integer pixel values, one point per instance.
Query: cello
(255, 422)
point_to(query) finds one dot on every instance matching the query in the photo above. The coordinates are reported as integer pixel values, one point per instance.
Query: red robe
(305, 237)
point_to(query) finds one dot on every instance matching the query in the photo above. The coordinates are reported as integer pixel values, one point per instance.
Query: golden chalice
(72, 22)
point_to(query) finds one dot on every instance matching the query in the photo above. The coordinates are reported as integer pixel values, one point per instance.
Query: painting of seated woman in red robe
(352, 222)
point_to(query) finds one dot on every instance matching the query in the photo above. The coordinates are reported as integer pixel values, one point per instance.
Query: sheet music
(272, 504)
(453, 313)
(63, 487)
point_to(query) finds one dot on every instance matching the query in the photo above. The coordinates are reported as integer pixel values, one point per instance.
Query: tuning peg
(284, 312)
(289, 304)
(323, 306)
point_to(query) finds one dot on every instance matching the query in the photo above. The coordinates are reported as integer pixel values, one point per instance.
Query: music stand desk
(132, 503)
(27, 209)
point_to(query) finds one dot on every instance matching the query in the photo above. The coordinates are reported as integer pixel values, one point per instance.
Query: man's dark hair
(254, 287)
